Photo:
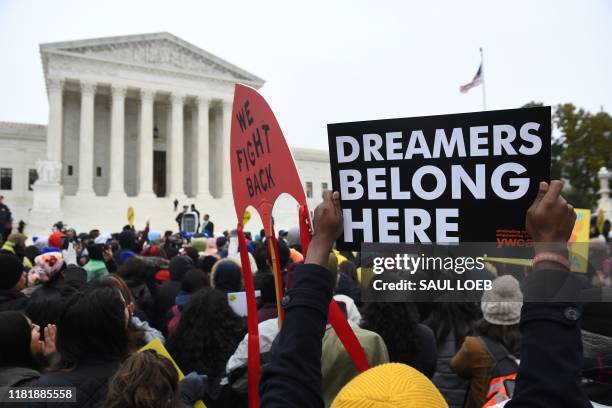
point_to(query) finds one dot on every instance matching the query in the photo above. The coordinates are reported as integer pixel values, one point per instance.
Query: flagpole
(484, 90)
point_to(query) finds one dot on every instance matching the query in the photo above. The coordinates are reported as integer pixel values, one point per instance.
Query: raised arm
(293, 377)
(551, 344)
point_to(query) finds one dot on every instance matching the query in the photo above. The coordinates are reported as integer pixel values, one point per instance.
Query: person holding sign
(548, 372)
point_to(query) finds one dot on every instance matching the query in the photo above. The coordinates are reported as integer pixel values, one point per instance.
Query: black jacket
(210, 227)
(551, 347)
(90, 378)
(143, 298)
(12, 301)
(52, 291)
(165, 296)
(293, 377)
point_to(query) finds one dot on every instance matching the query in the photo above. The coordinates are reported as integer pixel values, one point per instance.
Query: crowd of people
(76, 308)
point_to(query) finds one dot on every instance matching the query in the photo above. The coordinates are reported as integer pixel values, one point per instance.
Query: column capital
(55, 84)
(118, 91)
(177, 98)
(204, 100)
(147, 94)
(88, 88)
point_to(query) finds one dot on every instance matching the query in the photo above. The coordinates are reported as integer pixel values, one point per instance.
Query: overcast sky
(333, 61)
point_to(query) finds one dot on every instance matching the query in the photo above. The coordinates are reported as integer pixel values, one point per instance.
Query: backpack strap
(496, 350)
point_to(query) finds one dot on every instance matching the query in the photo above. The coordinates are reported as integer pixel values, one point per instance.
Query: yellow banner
(130, 216)
(577, 245)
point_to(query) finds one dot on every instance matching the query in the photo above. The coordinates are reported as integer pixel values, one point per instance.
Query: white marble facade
(137, 120)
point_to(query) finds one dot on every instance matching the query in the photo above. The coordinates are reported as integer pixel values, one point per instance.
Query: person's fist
(328, 221)
(550, 219)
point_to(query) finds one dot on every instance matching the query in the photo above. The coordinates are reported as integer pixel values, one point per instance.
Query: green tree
(581, 145)
(585, 146)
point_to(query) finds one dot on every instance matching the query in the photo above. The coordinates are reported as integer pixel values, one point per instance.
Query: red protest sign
(263, 169)
(261, 162)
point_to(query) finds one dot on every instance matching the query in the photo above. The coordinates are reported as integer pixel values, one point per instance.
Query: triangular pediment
(159, 50)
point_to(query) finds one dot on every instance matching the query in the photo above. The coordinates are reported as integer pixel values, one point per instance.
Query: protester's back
(501, 308)
(450, 323)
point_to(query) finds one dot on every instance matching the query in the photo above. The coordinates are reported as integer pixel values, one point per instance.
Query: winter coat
(165, 296)
(49, 291)
(473, 362)
(452, 387)
(12, 301)
(143, 298)
(95, 269)
(18, 376)
(90, 378)
(338, 369)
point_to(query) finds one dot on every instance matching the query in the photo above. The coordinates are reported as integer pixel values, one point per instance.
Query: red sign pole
(253, 365)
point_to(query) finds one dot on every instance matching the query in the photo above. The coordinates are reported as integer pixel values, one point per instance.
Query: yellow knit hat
(391, 385)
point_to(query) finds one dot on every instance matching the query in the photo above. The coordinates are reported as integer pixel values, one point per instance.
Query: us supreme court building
(138, 121)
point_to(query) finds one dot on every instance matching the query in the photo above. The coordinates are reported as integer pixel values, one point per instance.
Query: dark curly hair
(396, 323)
(207, 335)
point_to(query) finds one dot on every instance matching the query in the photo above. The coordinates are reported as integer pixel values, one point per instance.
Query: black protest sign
(451, 178)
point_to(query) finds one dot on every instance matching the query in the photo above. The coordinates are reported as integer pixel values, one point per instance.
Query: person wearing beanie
(15, 244)
(501, 305)
(32, 252)
(389, 385)
(55, 239)
(127, 246)
(199, 244)
(47, 276)
(95, 266)
(226, 276)
(12, 282)
(501, 310)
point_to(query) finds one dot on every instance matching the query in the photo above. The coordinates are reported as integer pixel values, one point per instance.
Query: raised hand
(550, 219)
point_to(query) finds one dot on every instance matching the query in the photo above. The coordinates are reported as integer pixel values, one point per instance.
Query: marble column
(117, 142)
(175, 147)
(86, 140)
(225, 140)
(55, 88)
(145, 144)
(202, 164)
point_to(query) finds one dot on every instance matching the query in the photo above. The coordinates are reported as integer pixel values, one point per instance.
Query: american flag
(475, 82)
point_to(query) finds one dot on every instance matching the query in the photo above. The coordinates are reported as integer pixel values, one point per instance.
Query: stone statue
(604, 203)
(49, 172)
